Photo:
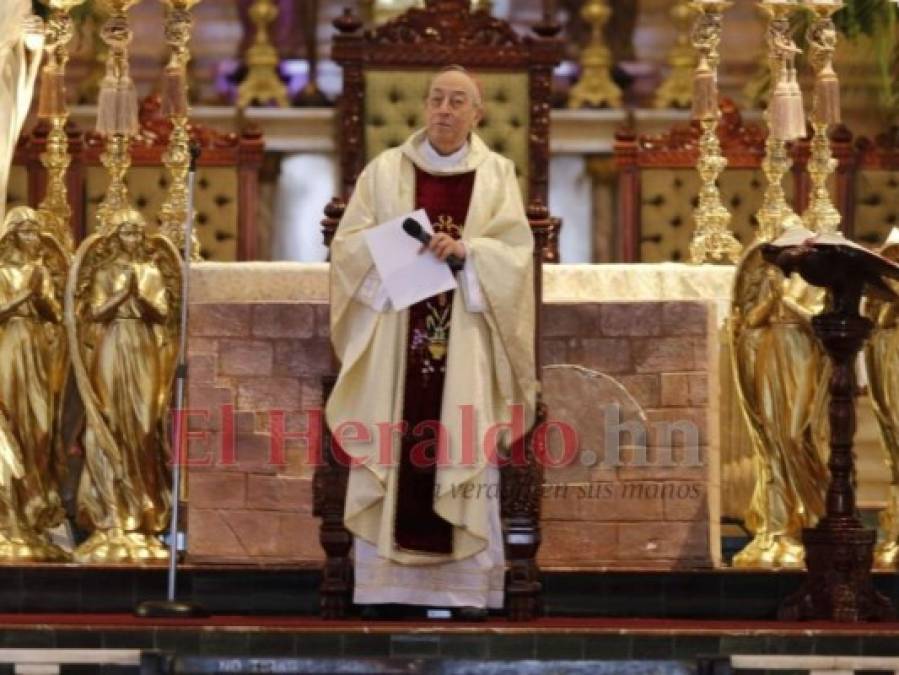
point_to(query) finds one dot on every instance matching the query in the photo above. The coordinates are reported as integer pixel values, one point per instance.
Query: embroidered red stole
(417, 527)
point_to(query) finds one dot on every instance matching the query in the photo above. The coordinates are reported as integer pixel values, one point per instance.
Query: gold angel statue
(882, 364)
(122, 310)
(33, 268)
(781, 378)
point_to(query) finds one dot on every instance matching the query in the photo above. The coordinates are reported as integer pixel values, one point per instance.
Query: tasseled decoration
(52, 95)
(117, 105)
(174, 93)
(796, 109)
(827, 97)
(705, 92)
(786, 116)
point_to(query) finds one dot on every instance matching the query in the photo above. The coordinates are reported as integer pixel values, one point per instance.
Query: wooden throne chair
(386, 71)
(227, 183)
(658, 185)
(872, 206)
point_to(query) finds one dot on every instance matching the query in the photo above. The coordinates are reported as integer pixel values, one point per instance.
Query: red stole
(417, 526)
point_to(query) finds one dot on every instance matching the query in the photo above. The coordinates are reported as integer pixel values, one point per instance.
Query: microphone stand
(170, 607)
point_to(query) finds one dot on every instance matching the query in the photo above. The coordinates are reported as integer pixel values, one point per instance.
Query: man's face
(452, 110)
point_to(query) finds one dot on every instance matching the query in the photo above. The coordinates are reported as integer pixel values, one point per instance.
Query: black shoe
(469, 613)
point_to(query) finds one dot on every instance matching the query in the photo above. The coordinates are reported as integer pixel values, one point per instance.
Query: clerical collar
(443, 162)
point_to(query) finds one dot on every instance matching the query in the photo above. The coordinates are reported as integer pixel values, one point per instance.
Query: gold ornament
(781, 377)
(775, 213)
(821, 215)
(262, 83)
(677, 89)
(173, 214)
(57, 213)
(712, 240)
(116, 108)
(33, 267)
(595, 89)
(121, 313)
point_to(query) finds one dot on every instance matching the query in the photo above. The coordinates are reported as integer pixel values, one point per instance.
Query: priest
(431, 388)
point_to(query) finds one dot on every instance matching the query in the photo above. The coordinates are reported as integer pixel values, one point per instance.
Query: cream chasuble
(489, 369)
(18, 72)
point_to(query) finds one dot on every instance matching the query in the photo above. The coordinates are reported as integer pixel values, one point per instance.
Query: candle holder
(173, 214)
(775, 213)
(677, 89)
(52, 107)
(595, 89)
(821, 215)
(712, 241)
(116, 109)
(262, 83)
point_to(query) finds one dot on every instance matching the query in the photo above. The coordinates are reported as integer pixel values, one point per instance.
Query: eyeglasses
(456, 101)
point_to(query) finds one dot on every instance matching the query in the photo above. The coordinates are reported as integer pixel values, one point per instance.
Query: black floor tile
(512, 647)
(560, 647)
(414, 645)
(607, 646)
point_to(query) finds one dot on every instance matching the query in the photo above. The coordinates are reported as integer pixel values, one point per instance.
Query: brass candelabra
(262, 83)
(677, 89)
(821, 215)
(712, 240)
(595, 89)
(116, 108)
(52, 107)
(173, 214)
(775, 213)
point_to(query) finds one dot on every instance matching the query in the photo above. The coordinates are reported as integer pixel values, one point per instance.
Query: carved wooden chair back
(872, 210)
(658, 186)
(227, 183)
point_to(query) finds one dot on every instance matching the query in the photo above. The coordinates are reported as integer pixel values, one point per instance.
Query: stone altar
(259, 345)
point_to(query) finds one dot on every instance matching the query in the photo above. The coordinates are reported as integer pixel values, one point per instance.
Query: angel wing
(57, 261)
(748, 291)
(877, 352)
(166, 257)
(82, 335)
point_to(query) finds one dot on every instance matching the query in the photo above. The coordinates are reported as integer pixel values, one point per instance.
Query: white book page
(407, 275)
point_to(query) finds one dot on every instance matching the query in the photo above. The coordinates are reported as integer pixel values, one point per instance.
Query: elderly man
(429, 383)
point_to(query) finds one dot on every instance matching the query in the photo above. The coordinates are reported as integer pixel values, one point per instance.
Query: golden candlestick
(677, 89)
(262, 83)
(52, 106)
(711, 241)
(595, 89)
(173, 214)
(821, 215)
(116, 108)
(775, 213)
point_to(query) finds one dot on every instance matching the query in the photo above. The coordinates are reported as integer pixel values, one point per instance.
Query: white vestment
(18, 72)
(490, 369)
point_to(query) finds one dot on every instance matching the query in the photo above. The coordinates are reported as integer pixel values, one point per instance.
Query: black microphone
(414, 229)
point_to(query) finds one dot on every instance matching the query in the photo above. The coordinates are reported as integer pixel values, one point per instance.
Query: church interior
(710, 481)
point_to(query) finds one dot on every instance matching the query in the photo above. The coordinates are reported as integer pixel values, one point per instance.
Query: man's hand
(443, 246)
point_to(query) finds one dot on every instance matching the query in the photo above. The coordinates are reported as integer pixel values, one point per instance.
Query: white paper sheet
(407, 275)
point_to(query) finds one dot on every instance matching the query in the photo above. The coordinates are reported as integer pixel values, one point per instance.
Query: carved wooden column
(839, 550)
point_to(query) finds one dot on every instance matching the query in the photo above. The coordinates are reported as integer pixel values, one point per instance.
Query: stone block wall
(657, 510)
(248, 363)
(250, 359)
